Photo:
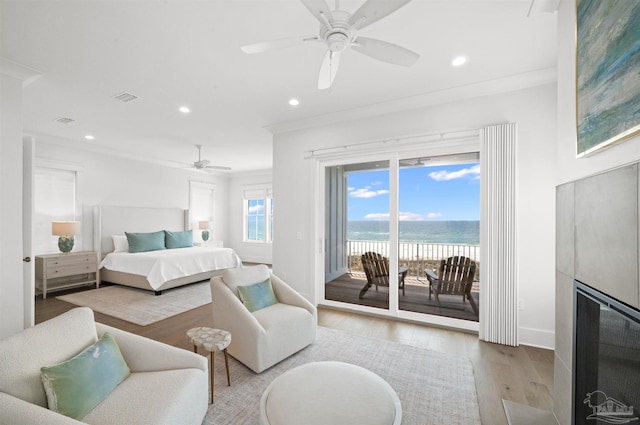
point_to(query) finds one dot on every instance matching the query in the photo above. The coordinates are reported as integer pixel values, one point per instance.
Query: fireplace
(606, 364)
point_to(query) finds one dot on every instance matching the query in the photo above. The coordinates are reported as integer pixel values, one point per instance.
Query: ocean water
(447, 232)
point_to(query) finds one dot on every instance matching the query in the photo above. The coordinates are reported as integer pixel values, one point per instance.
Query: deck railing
(416, 256)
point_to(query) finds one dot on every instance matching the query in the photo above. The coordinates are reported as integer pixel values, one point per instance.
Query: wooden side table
(211, 340)
(60, 271)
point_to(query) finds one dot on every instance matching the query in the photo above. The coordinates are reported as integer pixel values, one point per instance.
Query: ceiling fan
(339, 31)
(203, 164)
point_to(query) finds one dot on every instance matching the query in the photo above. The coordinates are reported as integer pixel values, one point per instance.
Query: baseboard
(537, 338)
(257, 260)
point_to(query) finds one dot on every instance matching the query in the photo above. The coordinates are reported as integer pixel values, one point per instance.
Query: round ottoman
(329, 393)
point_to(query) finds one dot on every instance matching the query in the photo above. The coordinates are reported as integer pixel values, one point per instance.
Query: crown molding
(437, 97)
(24, 73)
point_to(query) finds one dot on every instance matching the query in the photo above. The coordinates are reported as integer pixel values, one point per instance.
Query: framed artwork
(607, 73)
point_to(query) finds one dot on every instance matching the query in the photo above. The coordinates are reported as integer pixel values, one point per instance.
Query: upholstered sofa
(267, 336)
(167, 385)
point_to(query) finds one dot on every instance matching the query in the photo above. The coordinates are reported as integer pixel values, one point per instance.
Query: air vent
(125, 97)
(65, 120)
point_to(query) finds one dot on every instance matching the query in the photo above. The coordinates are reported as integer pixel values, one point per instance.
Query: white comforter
(167, 264)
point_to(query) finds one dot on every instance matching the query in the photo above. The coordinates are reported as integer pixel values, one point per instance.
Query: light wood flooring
(520, 374)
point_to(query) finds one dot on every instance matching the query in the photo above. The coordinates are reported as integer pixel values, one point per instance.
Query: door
(28, 262)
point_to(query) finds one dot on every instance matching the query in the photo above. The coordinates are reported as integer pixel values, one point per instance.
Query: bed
(155, 270)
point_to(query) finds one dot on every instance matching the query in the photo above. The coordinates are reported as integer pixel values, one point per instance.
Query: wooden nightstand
(215, 244)
(59, 271)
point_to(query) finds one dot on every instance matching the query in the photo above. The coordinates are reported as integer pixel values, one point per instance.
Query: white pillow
(120, 243)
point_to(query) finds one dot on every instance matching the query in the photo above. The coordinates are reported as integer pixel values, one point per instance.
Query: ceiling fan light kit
(339, 31)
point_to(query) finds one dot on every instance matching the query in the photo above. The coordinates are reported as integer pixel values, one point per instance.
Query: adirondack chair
(455, 277)
(376, 268)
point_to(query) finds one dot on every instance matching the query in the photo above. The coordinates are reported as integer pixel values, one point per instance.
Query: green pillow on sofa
(76, 386)
(257, 296)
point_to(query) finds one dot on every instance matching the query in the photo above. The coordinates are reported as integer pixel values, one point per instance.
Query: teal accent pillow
(76, 386)
(142, 242)
(257, 296)
(178, 239)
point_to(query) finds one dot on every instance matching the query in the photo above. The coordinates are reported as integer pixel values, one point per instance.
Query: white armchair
(266, 336)
(167, 385)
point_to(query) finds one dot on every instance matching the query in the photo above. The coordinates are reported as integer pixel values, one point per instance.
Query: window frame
(258, 193)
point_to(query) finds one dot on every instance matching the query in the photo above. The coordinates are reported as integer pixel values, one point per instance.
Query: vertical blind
(498, 230)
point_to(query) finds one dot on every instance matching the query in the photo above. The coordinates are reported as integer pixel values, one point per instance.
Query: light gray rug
(139, 306)
(434, 388)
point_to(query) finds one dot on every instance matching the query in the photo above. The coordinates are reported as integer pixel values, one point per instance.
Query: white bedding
(167, 264)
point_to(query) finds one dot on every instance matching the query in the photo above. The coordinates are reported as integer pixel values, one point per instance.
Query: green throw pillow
(178, 239)
(257, 296)
(142, 242)
(76, 386)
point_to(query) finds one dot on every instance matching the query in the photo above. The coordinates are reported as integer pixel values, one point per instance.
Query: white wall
(569, 167)
(247, 251)
(11, 266)
(533, 109)
(112, 180)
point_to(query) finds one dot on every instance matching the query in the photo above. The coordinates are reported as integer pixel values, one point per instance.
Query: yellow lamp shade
(203, 225)
(65, 228)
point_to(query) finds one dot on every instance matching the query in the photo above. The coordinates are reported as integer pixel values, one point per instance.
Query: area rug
(434, 388)
(139, 306)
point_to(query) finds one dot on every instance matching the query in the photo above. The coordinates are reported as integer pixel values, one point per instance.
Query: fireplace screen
(606, 367)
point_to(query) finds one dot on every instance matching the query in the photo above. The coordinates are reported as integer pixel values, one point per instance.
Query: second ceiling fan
(339, 31)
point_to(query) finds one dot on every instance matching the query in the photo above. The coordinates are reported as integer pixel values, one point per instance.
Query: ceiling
(178, 52)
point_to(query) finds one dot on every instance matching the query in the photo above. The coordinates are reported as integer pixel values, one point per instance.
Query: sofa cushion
(54, 341)
(164, 397)
(245, 276)
(77, 385)
(257, 296)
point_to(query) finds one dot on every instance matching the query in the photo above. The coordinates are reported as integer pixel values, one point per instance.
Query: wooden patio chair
(376, 268)
(455, 277)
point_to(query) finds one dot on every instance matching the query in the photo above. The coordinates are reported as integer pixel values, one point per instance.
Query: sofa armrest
(14, 411)
(231, 315)
(147, 355)
(287, 295)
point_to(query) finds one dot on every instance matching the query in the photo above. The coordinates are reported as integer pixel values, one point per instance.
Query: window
(258, 214)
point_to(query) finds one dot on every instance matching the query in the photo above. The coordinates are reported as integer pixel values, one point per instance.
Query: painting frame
(607, 65)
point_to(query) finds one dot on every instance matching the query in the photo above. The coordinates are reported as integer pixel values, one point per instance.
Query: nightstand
(214, 244)
(60, 271)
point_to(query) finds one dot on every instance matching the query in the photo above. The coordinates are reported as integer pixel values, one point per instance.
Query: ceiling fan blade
(217, 167)
(281, 43)
(384, 51)
(328, 69)
(319, 8)
(374, 10)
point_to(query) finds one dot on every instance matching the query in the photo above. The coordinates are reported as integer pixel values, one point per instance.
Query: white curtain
(498, 230)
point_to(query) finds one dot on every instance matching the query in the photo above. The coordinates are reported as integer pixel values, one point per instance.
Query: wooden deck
(416, 298)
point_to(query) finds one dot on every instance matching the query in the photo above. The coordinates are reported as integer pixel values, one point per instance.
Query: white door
(28, 155)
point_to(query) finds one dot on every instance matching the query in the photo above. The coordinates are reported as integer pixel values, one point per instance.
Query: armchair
(266, 336)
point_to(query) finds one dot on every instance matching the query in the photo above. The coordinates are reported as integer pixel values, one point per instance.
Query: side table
(211, 340)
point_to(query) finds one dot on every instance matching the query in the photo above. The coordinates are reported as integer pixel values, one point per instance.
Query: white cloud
(366, 192)
(256, 209)
(446, 175)
(409, 216)
(377, 216)
(350, 188)
(434, 215)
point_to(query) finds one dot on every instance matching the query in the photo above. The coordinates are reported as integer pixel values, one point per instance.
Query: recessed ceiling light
(458, 61)
(184, 109)
(89, 137)
(294, 102)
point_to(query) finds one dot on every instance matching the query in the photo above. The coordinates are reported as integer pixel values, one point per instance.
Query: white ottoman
(329, 393)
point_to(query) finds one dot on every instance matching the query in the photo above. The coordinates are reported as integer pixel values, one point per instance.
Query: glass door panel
(357, 227)
(439, 219)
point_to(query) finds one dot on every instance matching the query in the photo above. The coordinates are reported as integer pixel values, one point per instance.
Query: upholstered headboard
(111, 220)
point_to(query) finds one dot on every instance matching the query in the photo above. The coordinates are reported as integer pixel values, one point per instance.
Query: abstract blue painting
(608, 72)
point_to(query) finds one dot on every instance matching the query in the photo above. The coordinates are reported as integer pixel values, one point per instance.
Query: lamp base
(205, 235)
(65, 244)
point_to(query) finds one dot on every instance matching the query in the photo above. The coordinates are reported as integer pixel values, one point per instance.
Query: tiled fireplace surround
(596, 243)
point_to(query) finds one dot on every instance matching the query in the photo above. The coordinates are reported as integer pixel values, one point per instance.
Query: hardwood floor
(520, 374)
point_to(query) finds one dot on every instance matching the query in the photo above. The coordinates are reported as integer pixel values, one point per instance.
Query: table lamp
(204, 226)
(66, 230)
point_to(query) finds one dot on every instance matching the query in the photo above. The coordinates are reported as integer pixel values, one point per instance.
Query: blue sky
(446, 192)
